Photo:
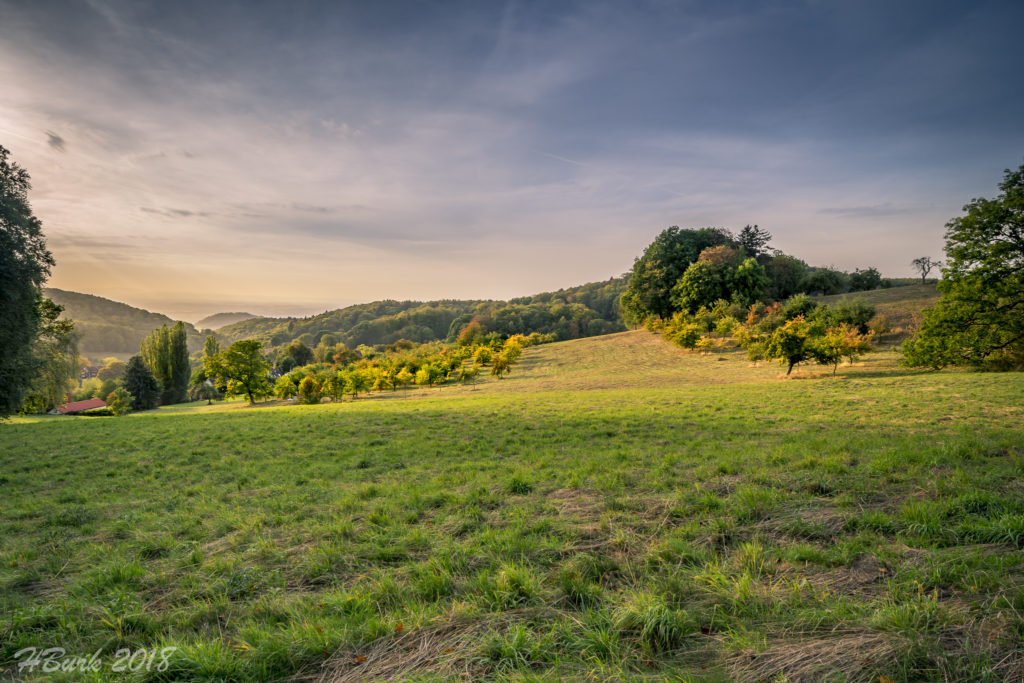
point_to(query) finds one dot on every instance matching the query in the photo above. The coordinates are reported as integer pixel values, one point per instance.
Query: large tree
(246, 370)
(25, 264)
(55, 355)
(980, 318)
(658, 269)
(165, 351)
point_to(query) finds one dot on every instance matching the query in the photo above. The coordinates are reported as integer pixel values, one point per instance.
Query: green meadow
(615, 509)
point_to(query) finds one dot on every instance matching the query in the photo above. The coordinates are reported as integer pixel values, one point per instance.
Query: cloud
(484, 150)
(174, 213)
(874, 211)
(55, 141)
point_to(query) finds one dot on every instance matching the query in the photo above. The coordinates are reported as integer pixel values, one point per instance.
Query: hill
(218, 320)
(616, 509)
(586, 310)
(110, 327)
(902, 306)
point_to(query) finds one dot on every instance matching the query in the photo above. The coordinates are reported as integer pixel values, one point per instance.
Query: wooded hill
(218, 320)
(582, 311)
(112, 327)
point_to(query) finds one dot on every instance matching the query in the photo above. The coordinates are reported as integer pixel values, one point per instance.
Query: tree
(748, 283)
(980, 318)
(754, 240)
(140, 383)
(865, 280)
(826, 281)
(243, 366)
(55, 357)
(656, 271)
(25, 264)
(404, 377)
(284, 387)
(165, 351)
(114, 369)
(791, 343)
(309, 390)
(119, 401)
(925, 264)
(502, 365)
(842, 341)
(702, 284)
(785, 276)
(300, 353)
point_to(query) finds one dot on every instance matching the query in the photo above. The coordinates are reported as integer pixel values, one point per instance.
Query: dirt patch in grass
(854, 656)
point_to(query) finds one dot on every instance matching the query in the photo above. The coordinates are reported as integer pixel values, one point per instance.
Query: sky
(293, 157)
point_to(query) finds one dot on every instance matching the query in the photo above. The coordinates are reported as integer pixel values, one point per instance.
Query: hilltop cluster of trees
(684, 270)
(795, 331)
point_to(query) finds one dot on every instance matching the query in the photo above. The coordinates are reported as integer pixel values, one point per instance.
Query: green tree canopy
(245, 369)
(141, 384)
(656, 271)
(165, 351)
(55, 356)
(980, 318)
(25, 264)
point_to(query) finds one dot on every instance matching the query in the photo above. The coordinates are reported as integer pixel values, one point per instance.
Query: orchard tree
(980, 318)
(243, 366)
(404, 377)
(844, 341)
(309, 390)
(284, 387)
(790, 343)
(502, 365)
(25, 264)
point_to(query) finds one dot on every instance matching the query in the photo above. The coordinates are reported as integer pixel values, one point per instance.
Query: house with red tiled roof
(81, 406)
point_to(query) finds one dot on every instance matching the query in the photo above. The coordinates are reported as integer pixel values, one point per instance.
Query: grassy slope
(615, 509)
(902, 306)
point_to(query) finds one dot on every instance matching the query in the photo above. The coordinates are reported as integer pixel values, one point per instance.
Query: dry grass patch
(855, 656)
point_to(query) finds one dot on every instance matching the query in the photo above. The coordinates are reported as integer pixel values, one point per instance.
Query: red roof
(79, 406)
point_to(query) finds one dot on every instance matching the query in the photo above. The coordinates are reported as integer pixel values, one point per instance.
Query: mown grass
(616, 509)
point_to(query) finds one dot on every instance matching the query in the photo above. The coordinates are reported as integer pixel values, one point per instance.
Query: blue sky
(291, 157)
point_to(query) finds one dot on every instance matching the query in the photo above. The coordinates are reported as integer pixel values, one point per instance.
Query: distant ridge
(111, 327)
(218, 320)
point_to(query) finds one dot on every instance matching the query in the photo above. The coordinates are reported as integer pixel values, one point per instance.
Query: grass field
(616, 509)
